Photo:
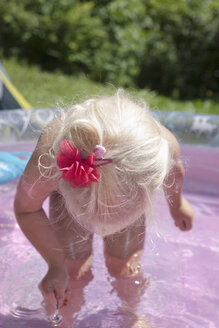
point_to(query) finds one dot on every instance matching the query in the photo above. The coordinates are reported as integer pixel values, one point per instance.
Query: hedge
(169, 46)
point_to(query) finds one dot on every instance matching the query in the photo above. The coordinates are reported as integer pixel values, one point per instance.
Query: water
(55, 319)
(178, 287)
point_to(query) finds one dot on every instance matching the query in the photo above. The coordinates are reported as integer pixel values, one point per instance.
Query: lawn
(51, 89)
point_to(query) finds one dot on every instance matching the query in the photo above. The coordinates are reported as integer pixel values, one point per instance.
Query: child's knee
(125, 267)
(77, 268)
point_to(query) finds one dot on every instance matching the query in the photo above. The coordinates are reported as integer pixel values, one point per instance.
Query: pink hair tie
(99, 151)
(80, 172)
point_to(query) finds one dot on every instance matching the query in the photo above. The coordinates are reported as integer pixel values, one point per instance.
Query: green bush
(182, 50)
(170, 46)
(124, 23)
(56, 34)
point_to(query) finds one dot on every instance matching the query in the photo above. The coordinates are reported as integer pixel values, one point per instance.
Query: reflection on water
(56, 319)
(179, 285)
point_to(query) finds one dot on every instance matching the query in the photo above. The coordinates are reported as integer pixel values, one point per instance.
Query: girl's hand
(183, 215)
(54, 285)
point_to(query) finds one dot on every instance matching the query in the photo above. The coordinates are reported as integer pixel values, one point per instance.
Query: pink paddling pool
(179, 284)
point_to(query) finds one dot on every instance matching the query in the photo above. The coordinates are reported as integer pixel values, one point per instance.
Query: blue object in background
(12, 165)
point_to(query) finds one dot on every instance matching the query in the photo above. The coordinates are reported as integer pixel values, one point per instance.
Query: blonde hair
(140, 161)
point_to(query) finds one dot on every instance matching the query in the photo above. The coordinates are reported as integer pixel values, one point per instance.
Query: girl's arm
(32, 190)
(180, 209)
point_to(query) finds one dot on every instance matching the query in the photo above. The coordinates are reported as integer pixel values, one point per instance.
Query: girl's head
(140, 161)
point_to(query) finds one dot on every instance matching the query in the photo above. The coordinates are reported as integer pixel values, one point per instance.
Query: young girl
(100, 163)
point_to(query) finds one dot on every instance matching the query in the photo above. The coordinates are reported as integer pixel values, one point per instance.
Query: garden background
(166, 52)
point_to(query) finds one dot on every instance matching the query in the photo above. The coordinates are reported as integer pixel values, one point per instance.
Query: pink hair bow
(80, 172)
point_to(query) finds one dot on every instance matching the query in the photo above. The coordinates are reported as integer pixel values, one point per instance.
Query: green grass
(45, 89)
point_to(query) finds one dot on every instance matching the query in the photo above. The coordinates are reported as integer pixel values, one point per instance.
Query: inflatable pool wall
(21, 125)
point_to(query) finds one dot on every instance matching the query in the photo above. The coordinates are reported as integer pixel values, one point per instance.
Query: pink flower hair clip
(80, 172)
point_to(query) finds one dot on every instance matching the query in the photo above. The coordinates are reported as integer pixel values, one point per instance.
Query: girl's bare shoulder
(33, 187)
(174, 145)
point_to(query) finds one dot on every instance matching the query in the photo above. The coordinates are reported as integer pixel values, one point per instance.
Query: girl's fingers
(184, 224)
(48, 295)
(53, 296)
(60, 295)
(188, 223)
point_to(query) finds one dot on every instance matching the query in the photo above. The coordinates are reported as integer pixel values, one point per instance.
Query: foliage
(55, 34)
(169, 46)
(183, 48)
(45, 89)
